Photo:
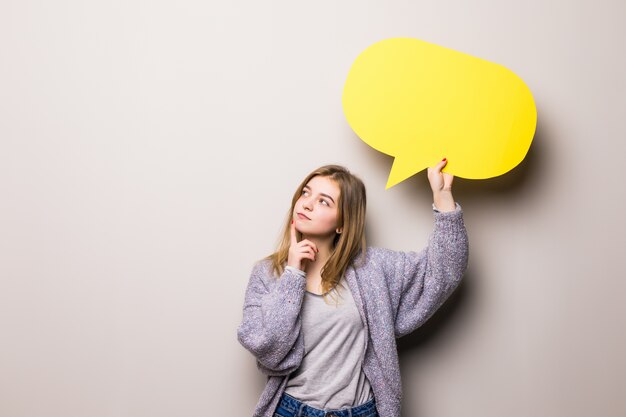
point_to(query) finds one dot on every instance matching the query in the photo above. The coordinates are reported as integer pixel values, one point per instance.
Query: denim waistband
(299, 409)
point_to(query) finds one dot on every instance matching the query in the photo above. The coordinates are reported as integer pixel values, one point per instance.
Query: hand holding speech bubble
(420, 102)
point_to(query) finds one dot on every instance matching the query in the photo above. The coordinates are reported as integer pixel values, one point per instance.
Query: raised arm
(430, 276)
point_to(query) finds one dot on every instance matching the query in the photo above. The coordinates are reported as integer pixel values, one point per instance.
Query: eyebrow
(325, 195)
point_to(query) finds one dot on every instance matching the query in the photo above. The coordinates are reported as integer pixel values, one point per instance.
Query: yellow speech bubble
(420, 102)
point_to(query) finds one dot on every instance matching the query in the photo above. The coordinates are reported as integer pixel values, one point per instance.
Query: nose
(307, 205)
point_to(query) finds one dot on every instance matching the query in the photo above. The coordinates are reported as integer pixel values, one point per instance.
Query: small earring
(338, 231)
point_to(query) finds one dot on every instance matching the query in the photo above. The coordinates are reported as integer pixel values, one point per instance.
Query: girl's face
(315, 213)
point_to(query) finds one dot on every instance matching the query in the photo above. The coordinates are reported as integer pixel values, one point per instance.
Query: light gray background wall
(148, 154)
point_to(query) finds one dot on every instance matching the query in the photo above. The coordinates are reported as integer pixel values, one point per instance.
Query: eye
(324, 201)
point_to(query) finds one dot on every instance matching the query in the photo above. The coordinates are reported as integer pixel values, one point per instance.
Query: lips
(302, 216)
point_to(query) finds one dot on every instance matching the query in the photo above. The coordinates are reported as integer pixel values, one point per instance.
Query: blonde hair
(350, 218)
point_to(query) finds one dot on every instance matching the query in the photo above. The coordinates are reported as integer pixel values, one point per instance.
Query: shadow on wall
(471, 193)
(520, 181)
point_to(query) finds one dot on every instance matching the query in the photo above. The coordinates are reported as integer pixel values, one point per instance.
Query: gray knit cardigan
(395, 293)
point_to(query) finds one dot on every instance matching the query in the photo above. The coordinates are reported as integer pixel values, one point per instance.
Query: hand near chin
(300, 252)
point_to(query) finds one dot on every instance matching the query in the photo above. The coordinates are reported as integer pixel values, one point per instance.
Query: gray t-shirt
(330, 375)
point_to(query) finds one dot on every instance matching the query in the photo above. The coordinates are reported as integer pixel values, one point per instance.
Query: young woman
(322, 313)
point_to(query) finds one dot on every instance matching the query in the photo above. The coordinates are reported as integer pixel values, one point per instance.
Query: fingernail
(292, 222)
(443, 159)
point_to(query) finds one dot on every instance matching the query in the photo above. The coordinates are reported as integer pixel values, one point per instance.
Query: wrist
(444, 201)
(297, 271)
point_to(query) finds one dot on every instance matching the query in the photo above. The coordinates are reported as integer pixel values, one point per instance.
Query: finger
(307, 253)
(303, 247)
(294, 238)
(440, 165)
(309, 243)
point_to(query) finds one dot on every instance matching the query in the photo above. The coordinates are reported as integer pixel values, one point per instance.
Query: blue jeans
(289, 406)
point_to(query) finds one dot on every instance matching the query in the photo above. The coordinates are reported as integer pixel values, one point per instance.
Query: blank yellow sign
(421, 102)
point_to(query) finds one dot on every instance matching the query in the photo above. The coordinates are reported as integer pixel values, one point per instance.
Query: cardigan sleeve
(270, 328)
(429, 277)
